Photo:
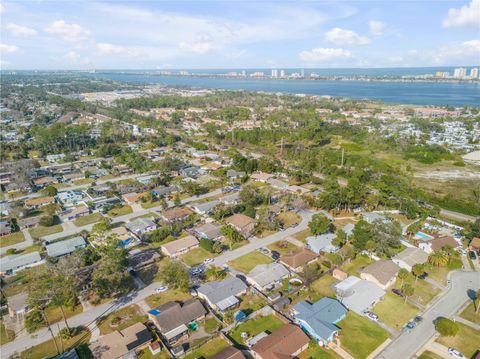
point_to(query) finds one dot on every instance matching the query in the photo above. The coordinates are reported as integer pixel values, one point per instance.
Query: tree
(438, 259)
(51, 191)
(320, 224)
(47, 221)
(249, 196)
(417, 270)
(176, 200)
(403, 274)
(232, 234)
(385, 236)
(341, 239)
(215, 273)
(446, 327)
(175, 275)
(407, 290)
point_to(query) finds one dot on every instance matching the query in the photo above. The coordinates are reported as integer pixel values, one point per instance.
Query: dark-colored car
(472, 255)
(275, 255)
(398, 292)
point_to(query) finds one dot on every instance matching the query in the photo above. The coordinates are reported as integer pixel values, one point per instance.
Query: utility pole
(49, 329)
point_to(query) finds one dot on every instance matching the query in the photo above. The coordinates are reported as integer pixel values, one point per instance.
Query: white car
(371, 316)
(161, 289)
(208, 261)
(455, 353)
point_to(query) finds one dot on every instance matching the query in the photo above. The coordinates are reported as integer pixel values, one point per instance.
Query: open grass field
(360, 336)
(12, 238)
(394, 312)
(115, 212)
(249, 261)
(41, 231)
(196, 256)
(469, 313)
(255, 326)
(354, 267)
(209, 349)
(466, 340)
(88, 219)
(121, 319)
(172, 294)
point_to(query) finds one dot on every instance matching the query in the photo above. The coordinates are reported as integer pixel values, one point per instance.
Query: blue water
(423, 236)
(417, 93)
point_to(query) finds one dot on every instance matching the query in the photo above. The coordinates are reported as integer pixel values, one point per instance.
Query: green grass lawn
(172, 294)
(54, 314)
(196, 256)
(5, 335)
(424, 291)
(47, 349)
(356, 265)
(88, 219)
(469, 313)
(127, 316)
(360, 336)
(466, 340)
(289, 218)
(121, 211)
(302, 235)
(394, 312)
(249, 261)
(255, 326)
(41, 231)
(82, 181)
(209, 349)
(429, 355)
(12, 238)
(439, 274)
(150, 204)
(283, 247)
(147, 354)
(314, 351)
(212, 325)
(323, 286)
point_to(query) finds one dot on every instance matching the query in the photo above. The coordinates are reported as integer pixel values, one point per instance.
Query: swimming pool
(423, 236)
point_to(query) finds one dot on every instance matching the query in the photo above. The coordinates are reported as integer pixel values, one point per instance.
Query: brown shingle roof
(176, 213)
(173, 314)
(475, 243)
(440, 242)
(240, 220)
(229, 353)
(298, 258)
(39, 201)
(282, 343)
(382, 270)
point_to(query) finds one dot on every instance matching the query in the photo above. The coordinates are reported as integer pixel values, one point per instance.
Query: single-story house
(176, 214)
(322, 243)
(357, 294)
(142, 259)
(474, 244)
(124, 237)
(232, 174)
(29, 222)
(222, 295)
(70, 198)
(209, 231)
(437, 244)
(180, 246)
(232, 198)
(17, 262)
(141, 226)
(242, 224)
(39, 202)
(44, 181)
(205, 208)
(18, 306)
(409, 257)
(348, 229)
(286, 342)
(296, 260)
(261, 176)
(280, 185)
(121, 344)
(383, 273)
(229, 353)
(5, 228)
(74, 212)
(371, 217)
(164, 191)
(132, 198)
(62, 248)
(172, 318)
(318, 319)
(265, 276)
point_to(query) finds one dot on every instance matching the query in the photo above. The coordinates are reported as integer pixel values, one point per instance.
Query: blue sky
(238, 34)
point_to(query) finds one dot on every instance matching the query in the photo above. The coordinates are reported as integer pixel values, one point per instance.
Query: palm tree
(403, 274)
(417, 270)
(408, 291)
(438, 259)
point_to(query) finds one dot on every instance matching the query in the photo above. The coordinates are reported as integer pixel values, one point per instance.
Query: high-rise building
(282, 73)
(274, 73)
(244, 73)
(302, 73)
(474, 73)
(460, 73)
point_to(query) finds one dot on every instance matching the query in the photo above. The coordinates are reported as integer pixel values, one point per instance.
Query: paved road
(87, 318)
(447, 305)
(257, 243)
(458, 216)
(26, 243)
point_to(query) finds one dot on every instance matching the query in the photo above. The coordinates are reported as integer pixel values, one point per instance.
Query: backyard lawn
(12, 238)
(283, 247)
(196, 256)
(466, 340)
(357, 264)
(172, 294)
(121, 319)
(469, 313)
(88, 219)
(147, 354)
(47, 349)
(255, 326)
(323, 286)
(317, 352)
(5, 335)
(360, 336)
(42, 231)
(121, 211)
(394, 312)
(249, 261)
(209, 349)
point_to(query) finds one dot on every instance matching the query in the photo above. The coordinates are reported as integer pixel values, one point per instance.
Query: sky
(180, 34)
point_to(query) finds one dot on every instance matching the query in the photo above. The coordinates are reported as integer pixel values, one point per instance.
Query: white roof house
(17, 262)
(357, 294)
(61, 248)
(267, 275)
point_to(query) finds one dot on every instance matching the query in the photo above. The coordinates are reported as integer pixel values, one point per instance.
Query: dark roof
(172, 314)
(229, 353)
(282, 343)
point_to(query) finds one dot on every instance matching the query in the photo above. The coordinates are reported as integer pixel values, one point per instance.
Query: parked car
(208, 261)
(455, 353)
(398, 292)
(263, 250)
(411, 325)
(371, 316)
(275, 255)
(294, 225)
(161, 289)
(472, 255)
(418, 319)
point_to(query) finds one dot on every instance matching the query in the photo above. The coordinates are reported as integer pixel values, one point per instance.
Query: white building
(274, 73)
(460, 73)
(474, 73)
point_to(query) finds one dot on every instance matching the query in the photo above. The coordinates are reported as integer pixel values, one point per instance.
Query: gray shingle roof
(67, 246)
(219, 291)
(18, 260)
(266, 274)
(358, 295)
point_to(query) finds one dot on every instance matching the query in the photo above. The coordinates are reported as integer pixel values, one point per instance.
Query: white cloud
(453, 54)
(2, 8)
(200, 47)
(106, 49)
(68, 32)
(467, 15)
(321, 54)
(377, 28)
(76, 58)
(19, 30)
(8, 49)
(343, 37)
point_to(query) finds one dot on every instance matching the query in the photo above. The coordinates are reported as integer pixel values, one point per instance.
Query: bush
(206, 244)
(34, 321)
(446, 327)
(47, 221)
